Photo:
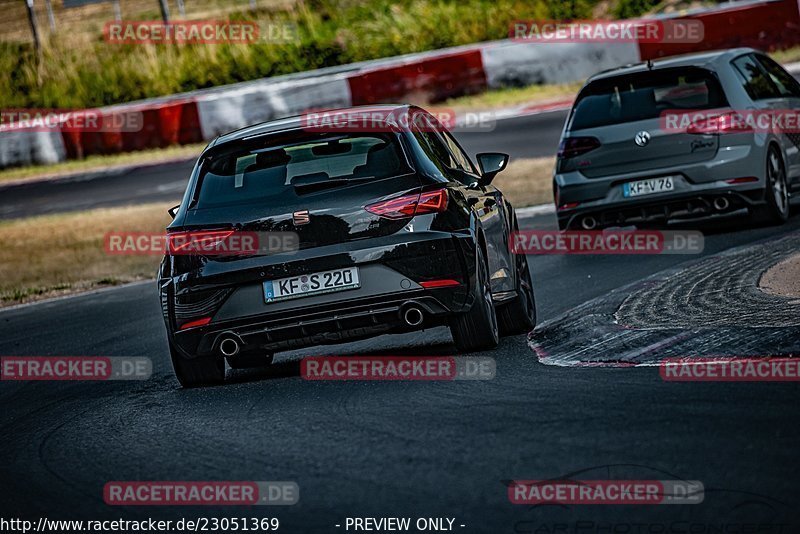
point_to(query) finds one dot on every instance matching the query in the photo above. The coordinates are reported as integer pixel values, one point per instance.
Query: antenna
(649, 64)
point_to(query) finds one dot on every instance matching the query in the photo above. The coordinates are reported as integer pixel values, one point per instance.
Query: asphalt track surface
(528, 136)
(441, 449)
(408, 449)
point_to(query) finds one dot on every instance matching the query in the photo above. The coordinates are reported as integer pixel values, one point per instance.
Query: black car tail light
(195, 241)
(196, 308)
(195, 323)
(444, 282)
(575, 146)
(411, 205)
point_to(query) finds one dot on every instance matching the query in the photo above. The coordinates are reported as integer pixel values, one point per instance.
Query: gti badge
(301, 217)
(642, 138)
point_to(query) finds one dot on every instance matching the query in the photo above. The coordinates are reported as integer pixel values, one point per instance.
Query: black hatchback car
(393, 229)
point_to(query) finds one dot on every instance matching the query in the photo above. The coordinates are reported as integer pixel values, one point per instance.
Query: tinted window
(783, 81)
(754, 78)
(265, 173)
(645, 95)
(436, 150)
(461, 158)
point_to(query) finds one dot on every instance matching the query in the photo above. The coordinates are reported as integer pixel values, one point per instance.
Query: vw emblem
(642, 138)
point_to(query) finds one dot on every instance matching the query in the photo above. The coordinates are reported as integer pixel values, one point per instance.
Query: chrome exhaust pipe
(588, 223)
(721, 203)
(229, 347)
(413, 316)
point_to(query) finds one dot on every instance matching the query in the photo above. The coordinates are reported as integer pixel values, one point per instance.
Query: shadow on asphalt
(291, 368)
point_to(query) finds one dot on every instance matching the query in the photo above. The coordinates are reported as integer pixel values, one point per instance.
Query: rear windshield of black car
(267, 173)
(645, 95)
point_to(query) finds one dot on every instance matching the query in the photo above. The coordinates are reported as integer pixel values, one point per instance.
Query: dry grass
(790, 55)
(513, 96)
(45, 256)
(527, 182)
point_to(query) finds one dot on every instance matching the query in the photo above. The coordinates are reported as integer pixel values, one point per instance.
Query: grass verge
(53, 255)
(513, 96)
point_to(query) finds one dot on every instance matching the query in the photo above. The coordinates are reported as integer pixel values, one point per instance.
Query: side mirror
(490, 164)
(173, 211)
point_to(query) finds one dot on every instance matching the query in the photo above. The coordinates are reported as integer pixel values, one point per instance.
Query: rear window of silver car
(645, 95)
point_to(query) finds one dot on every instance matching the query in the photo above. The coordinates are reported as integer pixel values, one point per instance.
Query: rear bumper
(390, 269)
(659, 209)
(697, 186)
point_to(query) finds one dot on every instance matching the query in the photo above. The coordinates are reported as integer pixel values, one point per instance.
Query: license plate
(648, 187)
(306, 285)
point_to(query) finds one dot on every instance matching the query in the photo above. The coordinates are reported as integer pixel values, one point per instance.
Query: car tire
(195, 372)
(519, 315)
(477, 329)
(776, 193)
(250, 361)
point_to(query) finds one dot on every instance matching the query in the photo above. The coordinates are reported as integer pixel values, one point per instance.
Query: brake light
(194, 241)
(568, 206)
(743, 180)
(410, 205)
(575, 146)
(199, 322)
(432, 284)
(723, 123)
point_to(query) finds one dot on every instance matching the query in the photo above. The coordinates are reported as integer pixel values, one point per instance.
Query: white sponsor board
(26, 147)
(516, 64)
(223, 111)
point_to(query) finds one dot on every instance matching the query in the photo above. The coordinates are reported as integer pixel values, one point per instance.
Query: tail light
(446, 282)
(724, 123)
(742, 180)
(410, 205)
(575, 146)
(193, 324)
(196, 241)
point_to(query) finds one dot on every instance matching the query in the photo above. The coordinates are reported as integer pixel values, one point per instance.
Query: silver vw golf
(679, 140)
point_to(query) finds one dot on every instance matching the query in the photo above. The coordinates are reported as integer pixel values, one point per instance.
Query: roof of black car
(297, 122)
(710, 59)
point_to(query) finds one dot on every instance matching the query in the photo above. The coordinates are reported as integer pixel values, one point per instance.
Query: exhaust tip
(413, 316)
(229, 347)
(588, 223)
(721, 203)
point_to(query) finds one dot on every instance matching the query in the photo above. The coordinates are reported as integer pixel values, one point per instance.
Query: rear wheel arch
(483, 246)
